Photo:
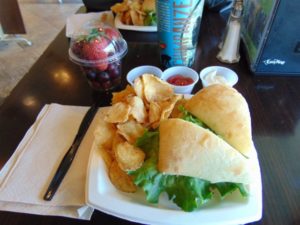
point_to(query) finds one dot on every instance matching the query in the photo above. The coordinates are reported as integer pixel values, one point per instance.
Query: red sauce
(180, 80)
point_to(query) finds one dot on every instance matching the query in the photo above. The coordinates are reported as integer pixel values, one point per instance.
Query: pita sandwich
(190, 150)
(225, 111)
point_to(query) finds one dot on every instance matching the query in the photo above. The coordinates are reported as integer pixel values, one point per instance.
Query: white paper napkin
(76, 22)
(26, 176)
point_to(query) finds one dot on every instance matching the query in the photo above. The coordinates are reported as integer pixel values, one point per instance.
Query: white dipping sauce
(213, 78)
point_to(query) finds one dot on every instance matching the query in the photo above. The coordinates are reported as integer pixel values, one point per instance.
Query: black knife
(70, 154)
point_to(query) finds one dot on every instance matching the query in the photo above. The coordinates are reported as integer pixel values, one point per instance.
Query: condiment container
(140, 70)
(184, 72)
(218, 75)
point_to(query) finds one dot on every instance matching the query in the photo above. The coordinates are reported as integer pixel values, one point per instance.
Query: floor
(43, 20)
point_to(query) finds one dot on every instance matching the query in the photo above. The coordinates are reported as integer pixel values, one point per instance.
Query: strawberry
(77, 48)
(94, 50)
(111, 33)
(93, 46)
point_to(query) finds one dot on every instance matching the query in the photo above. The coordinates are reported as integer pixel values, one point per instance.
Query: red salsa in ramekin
(180, 80)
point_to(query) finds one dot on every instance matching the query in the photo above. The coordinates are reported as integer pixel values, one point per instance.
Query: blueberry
(96, 85)
(102, 76)
(117, 72)
(91, 75)
(116, 81)
(110, 66)
(113, 66)
(106, 85)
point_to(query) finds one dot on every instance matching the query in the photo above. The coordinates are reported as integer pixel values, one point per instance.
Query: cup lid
(97, 44)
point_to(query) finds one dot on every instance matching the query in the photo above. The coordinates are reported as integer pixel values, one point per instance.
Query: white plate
(103, 196)
(122, 26)
(75, 22)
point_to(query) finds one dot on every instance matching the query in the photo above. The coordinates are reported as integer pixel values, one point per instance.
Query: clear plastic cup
(99, 50)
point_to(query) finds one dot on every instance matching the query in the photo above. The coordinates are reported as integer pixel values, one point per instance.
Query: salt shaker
(229, 52)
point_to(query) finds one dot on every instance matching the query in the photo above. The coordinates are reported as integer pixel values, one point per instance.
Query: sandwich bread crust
(190, 150)
(224, 110)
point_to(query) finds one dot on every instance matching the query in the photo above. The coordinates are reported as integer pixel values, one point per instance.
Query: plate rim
(122, 26)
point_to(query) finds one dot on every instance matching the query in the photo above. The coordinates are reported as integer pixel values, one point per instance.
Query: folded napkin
(27, 174)
(76, 22)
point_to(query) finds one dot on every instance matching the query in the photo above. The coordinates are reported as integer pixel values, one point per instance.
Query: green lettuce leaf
(188, 193)
(186, 115)
(225, 188)
(150, 19)
(190, 118)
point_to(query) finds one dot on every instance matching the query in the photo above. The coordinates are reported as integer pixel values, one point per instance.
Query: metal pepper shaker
(229, 47)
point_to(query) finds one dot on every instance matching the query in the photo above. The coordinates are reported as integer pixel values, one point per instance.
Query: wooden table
(274, 104)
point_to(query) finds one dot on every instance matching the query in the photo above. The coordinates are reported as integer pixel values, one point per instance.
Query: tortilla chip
(118, 138)
(139, 87)
(104, 134)
(126, 18)
(155, 89)
(120, 179)
(135, 5)
(136, 19)
(119, 7)
(129, 157)
(118, 113)
(168, 106)
(154, 112)
(138, 110)
(122, 95)
(131, 130)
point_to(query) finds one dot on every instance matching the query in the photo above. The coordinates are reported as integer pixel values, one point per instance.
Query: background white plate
(122, 26)
(75, 22)
(103, 196)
